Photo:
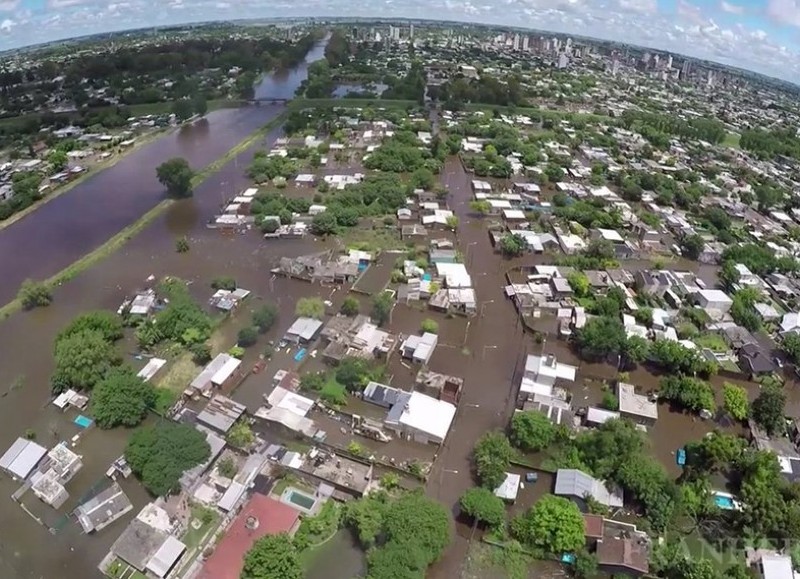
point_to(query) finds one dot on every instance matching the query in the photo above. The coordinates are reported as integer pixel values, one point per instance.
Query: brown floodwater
(62, 230)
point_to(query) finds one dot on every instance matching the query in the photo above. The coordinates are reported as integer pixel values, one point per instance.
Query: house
(220, 373)
(148, 538)
(381, 394)
(713, 300)
(290, 410)
(597, 416)
(593, 526)
(754, 361)
(623, 556)
(541, 374)
(221, 413)
(103, 509)
(303, 331)
(577, 486)
(771, 565)
(22, 457)
(790, 323)
(509, 488)
(419, 348)
(635, 406)
(561, 287)
(420, 418)
(259, 517)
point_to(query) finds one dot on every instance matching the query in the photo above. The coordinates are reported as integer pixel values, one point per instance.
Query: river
(73, 224)
(61, 231)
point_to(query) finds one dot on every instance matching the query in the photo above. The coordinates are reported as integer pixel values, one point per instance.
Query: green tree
(182, 109)
(482, 505)
(310, 308)
(353, 373)
(691, 393)
(601, 337)
(480, 207)
(554, 524)
(430, 326)
(395, 560)
(58, 160)
(324, 223)
(692, 246)
(224, 282)
(532, 431)
(265, 317)
(160, 454)
(82, 360)
(512, 245)
(365, 516)
(420, 523)
(240, 435)
(350, 306)
(200, 105)
(585, 565)
(768, 409)
(735, 401)
(714, 452)
(182, 245)
(109, 324)
(272, 557)
(382, 305)
(34, 295)
(121, 398)
(635, 350)
(176, 175)
(579, 283)
(247, 336)
(492, 455)
(790, 344)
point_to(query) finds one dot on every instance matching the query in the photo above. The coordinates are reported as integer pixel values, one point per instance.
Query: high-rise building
(615, 66)
(563, 60)
(686, 68)
(411, 31)
(710, 79)
(669, 62)
(515, 43)
(526, 43)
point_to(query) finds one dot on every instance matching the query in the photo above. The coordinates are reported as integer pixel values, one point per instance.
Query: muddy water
(75, 223)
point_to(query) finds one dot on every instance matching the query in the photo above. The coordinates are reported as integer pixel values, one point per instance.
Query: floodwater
(341, 553)
(66, 228)
(75, 223)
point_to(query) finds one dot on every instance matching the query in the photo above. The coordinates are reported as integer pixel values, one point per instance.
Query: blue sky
(761, 35)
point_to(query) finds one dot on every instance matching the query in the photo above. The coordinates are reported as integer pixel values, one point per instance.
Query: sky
(760, 35)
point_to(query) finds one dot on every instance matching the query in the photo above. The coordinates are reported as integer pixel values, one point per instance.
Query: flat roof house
(146, 544)
(637, 407)
(219, 373)
(22, 457)
(714, 300)
(303, 331)
(103, 509)
(577, 485)
(421, 418)
(221, 413)
(419, 348)
(541, 373)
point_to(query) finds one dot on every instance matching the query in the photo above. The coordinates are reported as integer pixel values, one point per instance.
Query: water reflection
(182, 217)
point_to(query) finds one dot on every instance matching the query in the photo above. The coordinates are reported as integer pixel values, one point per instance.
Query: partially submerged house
(22, 458)
(103, 509)
(420, 418)
(220, 373)
(419, 348)
(577, 486)
(541, 375)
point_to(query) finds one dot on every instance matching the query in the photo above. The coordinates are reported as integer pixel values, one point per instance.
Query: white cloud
(6, 25)
(646, 6)
(784, 11)
(56, 4)
(8, 5)
(690, 12)
(731, 8)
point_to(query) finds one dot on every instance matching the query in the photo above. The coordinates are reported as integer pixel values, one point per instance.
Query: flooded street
(73, 224)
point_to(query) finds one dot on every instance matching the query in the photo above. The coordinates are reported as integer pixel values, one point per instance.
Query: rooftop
(575, 483)
(259, 517)
(221, 413)
(637, 404)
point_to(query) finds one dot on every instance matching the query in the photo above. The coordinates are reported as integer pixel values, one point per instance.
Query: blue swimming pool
(83, 421)
(724, 502)
(300, 355)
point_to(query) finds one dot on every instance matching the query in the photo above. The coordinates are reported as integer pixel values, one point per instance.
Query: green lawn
(193, 536)
(731, 140)
(713, 342)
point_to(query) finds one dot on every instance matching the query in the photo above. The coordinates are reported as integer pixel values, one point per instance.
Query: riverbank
(304, 103)
(124, 235)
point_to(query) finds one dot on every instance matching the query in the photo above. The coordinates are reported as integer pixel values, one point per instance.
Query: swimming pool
(724, 502)
(83, 421)
(303, 501)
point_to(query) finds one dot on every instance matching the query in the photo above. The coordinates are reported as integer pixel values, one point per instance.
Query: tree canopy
(160, 454)
(82, 360)
(382, 305)
(121, 398)
(310, 308)
(484, 506)
(768, 409)
(554, 524)
(492, 455)
(176, 176)
(532, 431)
(34, 294)
(272, 557)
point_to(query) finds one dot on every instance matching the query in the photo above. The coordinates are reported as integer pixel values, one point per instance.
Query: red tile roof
(273, 517)
(593, 525)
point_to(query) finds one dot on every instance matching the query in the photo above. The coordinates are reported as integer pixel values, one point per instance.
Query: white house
(421, 418)
(419, 348)
(541, 373)
(714, 300)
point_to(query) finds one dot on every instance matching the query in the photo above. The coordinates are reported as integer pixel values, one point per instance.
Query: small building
(637, 407)
(421, 418)
(772, 565)
(290, 410)
(143, 538)
(597, 416)
(419, 348)
(221, 413)
(166, 557)
(22, 457)
(103, 509)
(541, 374)
(303, 331)
(577, 486)
(509, 488)
(220, 373)
(754, 361)
(624, 556)
(714, 300)
(381, 394)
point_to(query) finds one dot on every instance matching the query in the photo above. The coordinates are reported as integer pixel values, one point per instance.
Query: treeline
(659, 129)
(485, 90)
(338, 50)
(768, 144)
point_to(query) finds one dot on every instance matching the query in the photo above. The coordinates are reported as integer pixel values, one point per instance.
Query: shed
(165, 558)
(22, 457)
(577, 485)
(221, 413)
(303, 330)
(509, 488)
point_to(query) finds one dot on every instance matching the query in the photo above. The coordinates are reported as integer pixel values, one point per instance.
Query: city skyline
(758, 35)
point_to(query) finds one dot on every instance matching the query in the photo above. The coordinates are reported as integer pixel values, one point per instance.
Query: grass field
(732, 140)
